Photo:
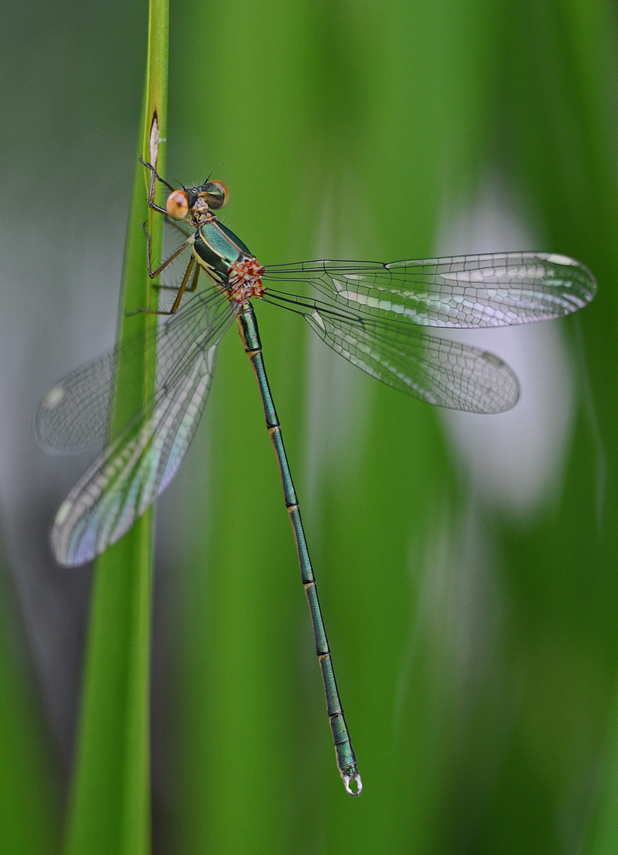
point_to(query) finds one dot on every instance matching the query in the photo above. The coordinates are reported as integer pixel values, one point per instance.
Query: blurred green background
(467, 564)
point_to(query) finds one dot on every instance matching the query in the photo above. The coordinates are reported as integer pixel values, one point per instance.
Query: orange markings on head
(222, 197)
(177, 205)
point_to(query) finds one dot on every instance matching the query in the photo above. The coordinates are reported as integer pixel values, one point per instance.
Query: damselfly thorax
(227, 262)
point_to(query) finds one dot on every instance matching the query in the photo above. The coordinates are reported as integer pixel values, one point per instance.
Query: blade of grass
(602, 836)
(29, 804)
(110, 801)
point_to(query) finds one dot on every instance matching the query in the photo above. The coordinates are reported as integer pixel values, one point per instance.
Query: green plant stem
(109, 809)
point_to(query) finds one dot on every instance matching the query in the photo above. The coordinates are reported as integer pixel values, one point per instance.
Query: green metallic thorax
(216, 248)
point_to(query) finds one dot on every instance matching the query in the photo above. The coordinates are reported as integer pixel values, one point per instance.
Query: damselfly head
(197, 201)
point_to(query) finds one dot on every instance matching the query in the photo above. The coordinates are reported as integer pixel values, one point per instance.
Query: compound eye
(217, 194)
(177, 205)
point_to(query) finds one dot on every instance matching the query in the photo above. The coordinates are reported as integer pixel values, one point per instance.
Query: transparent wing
(174, 232)
(75, 412)
(141, 461)
(496, 289)
(436, 370)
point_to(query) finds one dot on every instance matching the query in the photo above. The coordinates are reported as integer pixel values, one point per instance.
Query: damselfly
(373, 314)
